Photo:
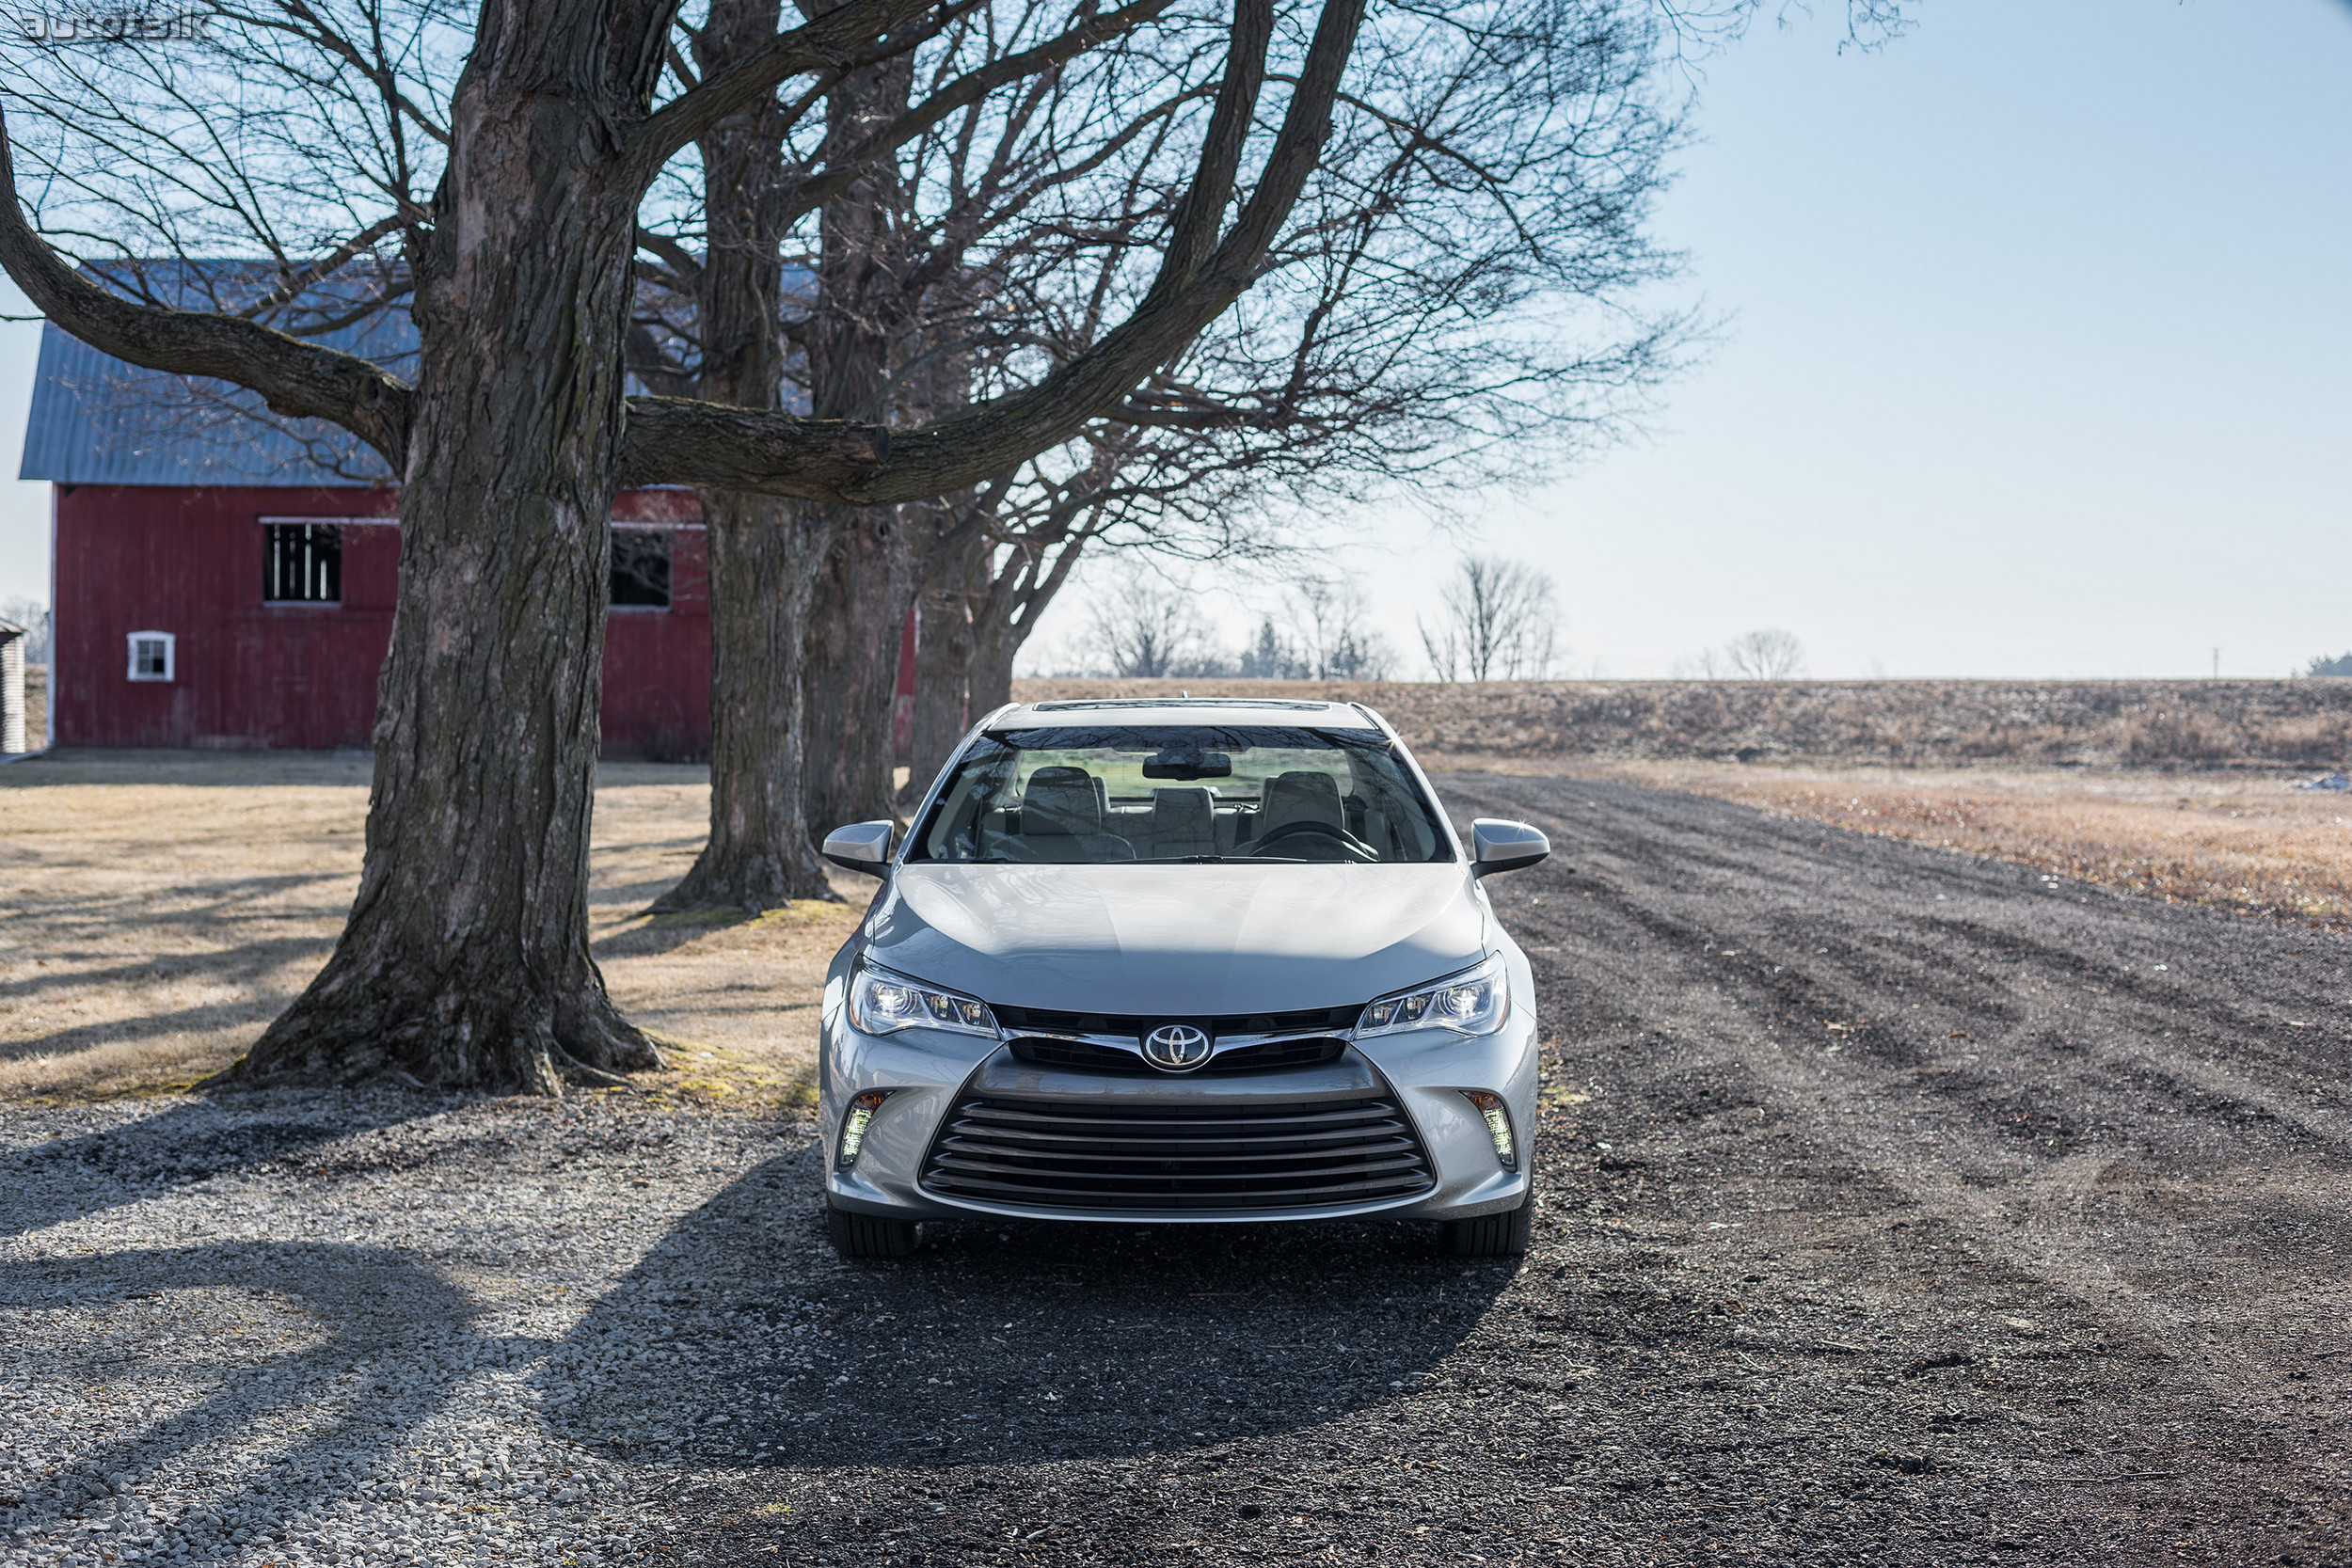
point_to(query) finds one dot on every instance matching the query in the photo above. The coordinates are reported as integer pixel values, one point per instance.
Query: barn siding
(188, 561)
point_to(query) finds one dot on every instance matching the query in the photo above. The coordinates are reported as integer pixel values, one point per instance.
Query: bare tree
(33, 615)
(1337, 638)
(1496, 619)
(1452, 308)
(1768, 655)
(318, 132)
(903, 320)
(1143, 625)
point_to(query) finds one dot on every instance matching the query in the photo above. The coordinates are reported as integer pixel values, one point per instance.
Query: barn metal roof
(98, 420)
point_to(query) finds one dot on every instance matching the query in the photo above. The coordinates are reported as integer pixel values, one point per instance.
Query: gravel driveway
(313, 1328)
(1899, 1207)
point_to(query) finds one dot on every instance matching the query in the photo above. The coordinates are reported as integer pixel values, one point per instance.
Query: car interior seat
(1184, 822)
(1298, 796)
(1061, 819)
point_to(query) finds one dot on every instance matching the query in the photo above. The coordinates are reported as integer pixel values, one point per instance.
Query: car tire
(855, 1235)
(1502, 1235)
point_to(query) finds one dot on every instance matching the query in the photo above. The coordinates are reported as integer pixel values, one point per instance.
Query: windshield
(1191, 792)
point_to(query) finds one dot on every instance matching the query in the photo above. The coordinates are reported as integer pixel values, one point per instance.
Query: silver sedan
(1190, 963)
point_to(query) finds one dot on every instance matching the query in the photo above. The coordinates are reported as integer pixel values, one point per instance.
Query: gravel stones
(310, 1328)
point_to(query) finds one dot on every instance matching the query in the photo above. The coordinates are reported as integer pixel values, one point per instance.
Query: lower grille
(1088, 1154)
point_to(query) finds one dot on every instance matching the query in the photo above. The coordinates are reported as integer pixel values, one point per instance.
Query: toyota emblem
(1177, 1046)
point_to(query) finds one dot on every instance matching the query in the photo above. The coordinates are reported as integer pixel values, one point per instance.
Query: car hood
(1187, 940)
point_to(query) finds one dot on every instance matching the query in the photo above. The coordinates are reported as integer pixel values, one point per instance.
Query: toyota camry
(1192, 962)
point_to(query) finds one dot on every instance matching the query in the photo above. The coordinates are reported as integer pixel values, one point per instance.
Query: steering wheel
(1350, 847)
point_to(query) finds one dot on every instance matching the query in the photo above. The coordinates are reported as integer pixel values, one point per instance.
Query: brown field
(2233, 840)
(158, 909)
(1897, 723)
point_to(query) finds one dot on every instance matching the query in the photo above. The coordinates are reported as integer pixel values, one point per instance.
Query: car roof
(1236, 711)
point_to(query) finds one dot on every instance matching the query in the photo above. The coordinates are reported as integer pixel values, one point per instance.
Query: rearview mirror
(1188, 765)
(1498, 846)
(860, 846)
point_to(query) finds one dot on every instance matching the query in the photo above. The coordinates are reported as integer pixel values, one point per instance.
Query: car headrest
(1061, 800)
(1298, 797)
(1187, 811)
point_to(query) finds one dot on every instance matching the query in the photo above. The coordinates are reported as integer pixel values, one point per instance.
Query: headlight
(881, 1003)
(1472, 1003)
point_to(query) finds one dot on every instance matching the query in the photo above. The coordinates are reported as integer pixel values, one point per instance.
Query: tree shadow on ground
(661, 933)
(1009, 1339)
(168, 1316)
(194, 1141)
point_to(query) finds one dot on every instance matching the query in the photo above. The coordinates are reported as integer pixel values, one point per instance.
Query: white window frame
(172, 656)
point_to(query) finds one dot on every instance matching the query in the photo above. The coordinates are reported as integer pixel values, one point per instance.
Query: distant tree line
(33, 616)
(1491, 619)
(1769, 653)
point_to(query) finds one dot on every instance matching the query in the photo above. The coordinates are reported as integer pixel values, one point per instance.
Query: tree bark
(994, 645)
(760, 855)
(944, 645)
(466, 958)
(854, 630)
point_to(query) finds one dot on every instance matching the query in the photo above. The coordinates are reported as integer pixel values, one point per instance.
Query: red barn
(221, 578)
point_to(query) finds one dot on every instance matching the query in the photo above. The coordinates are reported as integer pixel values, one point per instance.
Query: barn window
(641, 567)
(152, 656)
(302, 564)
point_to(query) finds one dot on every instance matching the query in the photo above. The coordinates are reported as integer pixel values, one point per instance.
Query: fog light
(853, 1125)
(1498, 1125)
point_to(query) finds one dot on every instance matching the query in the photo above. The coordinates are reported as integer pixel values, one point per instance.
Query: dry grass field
(157, 909)
(2234, 840)
(1893, 723)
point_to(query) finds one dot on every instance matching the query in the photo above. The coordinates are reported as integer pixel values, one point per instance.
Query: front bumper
(1424, 1074)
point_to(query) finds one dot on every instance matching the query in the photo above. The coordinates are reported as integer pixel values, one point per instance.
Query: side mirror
(1497, 845)
(860, 846)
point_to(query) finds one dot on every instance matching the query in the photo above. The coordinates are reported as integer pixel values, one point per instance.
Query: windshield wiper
(1213, 859)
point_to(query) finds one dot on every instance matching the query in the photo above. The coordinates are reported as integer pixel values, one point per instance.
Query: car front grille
(1016, 1020)
(1087, 1154)
(1087, 1057)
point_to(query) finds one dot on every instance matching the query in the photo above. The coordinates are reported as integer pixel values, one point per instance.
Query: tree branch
(750, 450)
(296, 379)
(832, 40)
(962, 92)
(301, 278)
(675, 442)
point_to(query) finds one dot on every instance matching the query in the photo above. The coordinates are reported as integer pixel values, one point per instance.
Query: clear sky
(2038, 360)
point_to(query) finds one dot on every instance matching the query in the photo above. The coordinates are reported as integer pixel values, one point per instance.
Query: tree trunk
(1007, 610)
(945, 644)
(466, 958)
(994, 645)
(854, 635)
(763, 556)
(759, 854)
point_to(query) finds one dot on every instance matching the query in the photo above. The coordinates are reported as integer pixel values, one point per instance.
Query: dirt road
(1899, 1208)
